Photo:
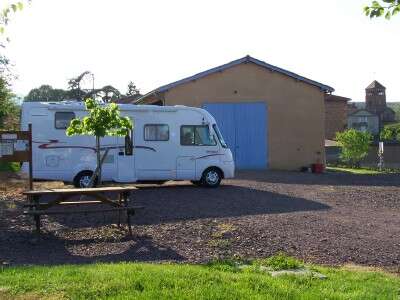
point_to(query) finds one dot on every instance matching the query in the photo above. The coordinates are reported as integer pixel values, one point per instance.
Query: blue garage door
(244, 127)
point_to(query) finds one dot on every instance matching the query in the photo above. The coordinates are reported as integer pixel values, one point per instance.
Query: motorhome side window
(156, 132)
(63, 118)
(196, 135)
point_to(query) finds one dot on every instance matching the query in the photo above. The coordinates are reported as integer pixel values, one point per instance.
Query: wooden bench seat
(131, 210)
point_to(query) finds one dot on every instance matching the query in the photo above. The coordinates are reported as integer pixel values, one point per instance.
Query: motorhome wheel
(211, 177)
(82, 180)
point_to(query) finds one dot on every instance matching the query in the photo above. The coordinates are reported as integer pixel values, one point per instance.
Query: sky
(155, 42)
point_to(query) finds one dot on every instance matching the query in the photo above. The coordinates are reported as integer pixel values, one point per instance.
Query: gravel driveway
(329, 219)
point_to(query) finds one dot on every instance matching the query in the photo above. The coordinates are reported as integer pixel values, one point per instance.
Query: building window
(63, 118)
(363, 119)
(361, 126)
(156, 132)
(197, 135)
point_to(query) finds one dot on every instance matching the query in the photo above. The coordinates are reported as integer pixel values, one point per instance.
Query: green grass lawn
(360, 171)
(172, 281)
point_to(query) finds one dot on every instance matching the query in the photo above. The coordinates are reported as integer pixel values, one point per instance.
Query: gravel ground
(326, 219)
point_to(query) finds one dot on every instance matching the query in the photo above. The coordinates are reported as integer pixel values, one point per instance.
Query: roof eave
(139, 100)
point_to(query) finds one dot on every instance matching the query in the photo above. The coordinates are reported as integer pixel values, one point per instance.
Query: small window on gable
(156, 132)
(63, 118)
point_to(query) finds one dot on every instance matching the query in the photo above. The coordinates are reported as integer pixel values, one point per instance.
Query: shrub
(354, 144)
(281, 261)
(391, 132)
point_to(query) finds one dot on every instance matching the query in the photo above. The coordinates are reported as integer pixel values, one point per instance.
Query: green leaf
(6, 11)
(396, 10)
(375, 4)
(20, 5)
(388, 15)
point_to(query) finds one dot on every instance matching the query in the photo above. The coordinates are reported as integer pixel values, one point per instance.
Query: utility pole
(92, 82)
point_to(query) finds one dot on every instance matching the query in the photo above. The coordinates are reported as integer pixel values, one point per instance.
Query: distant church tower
(375, 98)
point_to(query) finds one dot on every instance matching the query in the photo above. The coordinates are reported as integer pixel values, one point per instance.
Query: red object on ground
(317, 168)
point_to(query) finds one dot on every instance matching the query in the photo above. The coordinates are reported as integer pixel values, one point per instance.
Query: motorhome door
(126, 159)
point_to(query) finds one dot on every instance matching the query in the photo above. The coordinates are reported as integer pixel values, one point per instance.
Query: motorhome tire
(211, 177)
(82, 179)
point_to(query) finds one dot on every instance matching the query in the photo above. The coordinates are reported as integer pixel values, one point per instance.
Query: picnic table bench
(62, 197)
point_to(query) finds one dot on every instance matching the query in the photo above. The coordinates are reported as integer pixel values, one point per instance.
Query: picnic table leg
(36, 217)
(119, 212)
(129, 223)
(125, 196)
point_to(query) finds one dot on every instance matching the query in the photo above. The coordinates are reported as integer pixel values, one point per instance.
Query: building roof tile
(375, 85)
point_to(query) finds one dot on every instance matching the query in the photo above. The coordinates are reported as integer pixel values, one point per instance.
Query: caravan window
(63, 118)
(196, 135)
(156, 132)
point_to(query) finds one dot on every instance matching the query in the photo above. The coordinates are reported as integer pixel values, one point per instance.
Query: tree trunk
(98, 159)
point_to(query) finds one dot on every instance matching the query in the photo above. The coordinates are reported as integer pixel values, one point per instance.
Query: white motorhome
(169, 143)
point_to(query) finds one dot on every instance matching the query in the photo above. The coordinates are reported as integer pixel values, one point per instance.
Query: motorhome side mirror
(128, 145)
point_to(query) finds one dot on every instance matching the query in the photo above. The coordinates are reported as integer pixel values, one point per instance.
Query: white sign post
(381, 162)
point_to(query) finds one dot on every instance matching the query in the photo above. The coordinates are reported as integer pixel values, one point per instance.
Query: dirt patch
(329, 219)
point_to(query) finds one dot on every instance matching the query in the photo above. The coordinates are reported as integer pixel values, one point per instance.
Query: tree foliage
(387, 8)
(391, 133)
(132, 89)
(107, 93)
(75, 91)
(46, 93)
(75, 87)
(354, 144)
(5, 16)
(101, 120)
(8, 109)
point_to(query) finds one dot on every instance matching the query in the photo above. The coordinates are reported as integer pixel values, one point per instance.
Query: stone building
(374, 114)
(335, 115)
(375, 102)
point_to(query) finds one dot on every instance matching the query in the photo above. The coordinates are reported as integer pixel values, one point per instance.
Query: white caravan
(169, 143)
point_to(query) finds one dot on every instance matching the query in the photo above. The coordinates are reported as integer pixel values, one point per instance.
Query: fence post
(30, 158)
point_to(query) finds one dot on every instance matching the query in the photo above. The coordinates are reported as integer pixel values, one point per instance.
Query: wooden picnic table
(62, 197)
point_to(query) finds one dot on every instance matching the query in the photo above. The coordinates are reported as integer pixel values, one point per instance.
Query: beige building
(270, 117)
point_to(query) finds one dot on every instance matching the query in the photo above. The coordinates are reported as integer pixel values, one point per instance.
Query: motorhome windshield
(219, 135)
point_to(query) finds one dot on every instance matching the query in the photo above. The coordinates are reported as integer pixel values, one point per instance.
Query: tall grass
(180, 281)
